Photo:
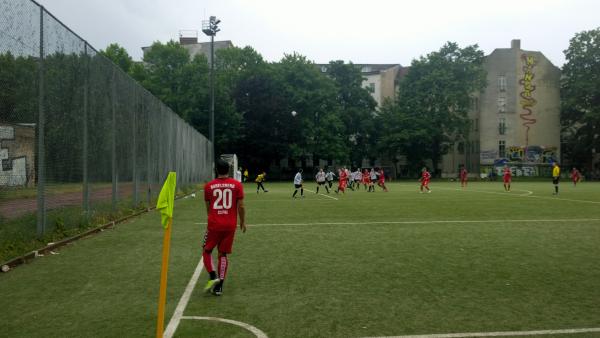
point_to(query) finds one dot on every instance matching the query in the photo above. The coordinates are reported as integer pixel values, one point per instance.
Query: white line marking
(498, 334)
(434, 221)
(565, 199)
(185, 298)
(258, 333)
(323, 195)
(528, 194)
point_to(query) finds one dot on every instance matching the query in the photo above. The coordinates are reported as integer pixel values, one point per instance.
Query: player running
(320, 178)
(224, 199)
(555, 177)
(425, 178)
(381, 181)
(366, 178)
(575, 176)
(507, 178)
(329, 178)
(259, 182)
(298, 184)
(373, 177)
(463, 177)
(343, 182)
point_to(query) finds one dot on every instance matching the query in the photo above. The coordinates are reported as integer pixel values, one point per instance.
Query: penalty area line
(499, 334)
(323, 195)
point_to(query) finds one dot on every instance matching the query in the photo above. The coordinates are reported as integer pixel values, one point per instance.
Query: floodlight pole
(211, 28)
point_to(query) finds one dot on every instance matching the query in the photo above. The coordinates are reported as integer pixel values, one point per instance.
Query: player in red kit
(381, 180)
(425, 177)
(507, 178)
(463, 177)
(343, 181)
(366, 178)
(575, 176)
(224, 202)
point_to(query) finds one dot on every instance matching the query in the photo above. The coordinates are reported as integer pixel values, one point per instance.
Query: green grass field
(358, 265)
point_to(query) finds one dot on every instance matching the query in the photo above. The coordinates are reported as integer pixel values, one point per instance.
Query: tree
(436, 93)
(119, 56)
(317, 129)
(357, 108)
(580, 96)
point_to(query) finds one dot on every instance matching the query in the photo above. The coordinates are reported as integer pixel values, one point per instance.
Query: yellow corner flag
(166, 199)
(164, 205)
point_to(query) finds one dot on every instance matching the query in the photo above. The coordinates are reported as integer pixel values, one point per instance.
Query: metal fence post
(136, 106)
(113, 99)
(148, 145)
(41, 154)
(86, 194)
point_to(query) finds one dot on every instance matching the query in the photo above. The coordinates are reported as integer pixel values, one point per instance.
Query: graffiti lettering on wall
(518, 171)
(527, 100)
(13, 171)
(532, 154)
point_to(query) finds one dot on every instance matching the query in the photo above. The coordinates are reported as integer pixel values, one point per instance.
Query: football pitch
(457, 262)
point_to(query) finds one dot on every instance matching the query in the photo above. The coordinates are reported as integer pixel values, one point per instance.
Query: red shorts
(506, 179)
(425, 182)
(221, 238)
(343, 184)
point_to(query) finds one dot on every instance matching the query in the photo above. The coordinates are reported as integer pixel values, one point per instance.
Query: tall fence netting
(80, 140)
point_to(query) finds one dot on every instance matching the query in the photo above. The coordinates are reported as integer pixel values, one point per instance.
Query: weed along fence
(80, 141)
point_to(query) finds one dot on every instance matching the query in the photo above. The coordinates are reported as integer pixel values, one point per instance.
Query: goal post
(233, 165)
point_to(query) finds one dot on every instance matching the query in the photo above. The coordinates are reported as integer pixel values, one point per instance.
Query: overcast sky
(375, 31)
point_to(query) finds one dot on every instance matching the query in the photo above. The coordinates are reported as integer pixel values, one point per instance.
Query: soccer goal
(233, 164)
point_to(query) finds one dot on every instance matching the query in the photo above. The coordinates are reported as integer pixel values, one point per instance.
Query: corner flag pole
(162, 296)
(164, 205)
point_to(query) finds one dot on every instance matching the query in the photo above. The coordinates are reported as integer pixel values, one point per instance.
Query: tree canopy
(580, 96)
(432, 104)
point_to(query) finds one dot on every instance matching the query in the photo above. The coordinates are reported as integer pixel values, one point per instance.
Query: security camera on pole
(210, 28)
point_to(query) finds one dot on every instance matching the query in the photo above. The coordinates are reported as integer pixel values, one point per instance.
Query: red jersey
(381, 177)
(425, 176)
(507, 173)
(463, 174)
(343, 175)
(575, 174)
(366, 177)
(223, 195)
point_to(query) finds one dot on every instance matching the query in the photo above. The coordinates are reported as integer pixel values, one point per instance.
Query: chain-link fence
(79, 138)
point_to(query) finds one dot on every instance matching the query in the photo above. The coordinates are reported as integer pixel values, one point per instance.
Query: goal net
(233, 166)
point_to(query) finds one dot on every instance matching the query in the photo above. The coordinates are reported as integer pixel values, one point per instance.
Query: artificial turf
(361, 264)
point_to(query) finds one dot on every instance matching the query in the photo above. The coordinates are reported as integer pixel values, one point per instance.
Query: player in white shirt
(298, 184)
(329, 178)
(320, 178)
(357, 178)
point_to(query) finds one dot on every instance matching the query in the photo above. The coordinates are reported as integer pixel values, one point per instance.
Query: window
(501, 148)
(366, 69)
(323, 69)
(502, 126)
(371, 87)
(502, 83)
(475, 104)
(501, 105)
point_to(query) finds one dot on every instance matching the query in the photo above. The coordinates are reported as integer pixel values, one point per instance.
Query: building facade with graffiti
(515, 120)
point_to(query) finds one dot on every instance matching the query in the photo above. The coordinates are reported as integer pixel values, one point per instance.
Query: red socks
(222, 267)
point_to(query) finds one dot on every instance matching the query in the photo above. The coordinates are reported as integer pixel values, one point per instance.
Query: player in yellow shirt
(259, 182)
(555, 176)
